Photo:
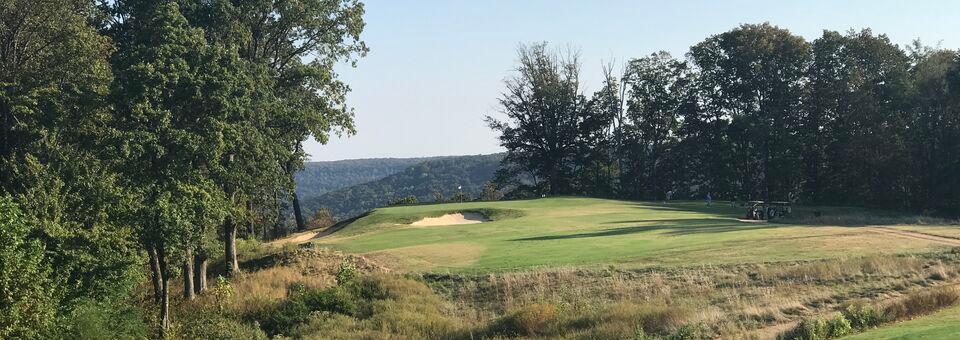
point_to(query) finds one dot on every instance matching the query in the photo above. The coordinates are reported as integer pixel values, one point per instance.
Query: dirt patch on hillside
(452, 219)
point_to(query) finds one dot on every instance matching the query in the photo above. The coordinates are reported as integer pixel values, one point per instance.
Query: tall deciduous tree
(293, 47)
(754, 75)
(658, 87)
(857, 111)
(174, 97)
(298, 44)
(596, 140)
(934, 141)
(54, 163)
(544, 109)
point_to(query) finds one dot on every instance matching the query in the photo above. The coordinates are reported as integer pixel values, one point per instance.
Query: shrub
(334, 300)
(91, 319)
(369, 289)
(863, 316)
(200, 322)
(809, 329)
(920, 303)
(304, 302)
(839, 326)
(388, 306)
(527, 320)
(346, 274)
(820, 328)
(281, 318)
(222, 292)
(322, 218)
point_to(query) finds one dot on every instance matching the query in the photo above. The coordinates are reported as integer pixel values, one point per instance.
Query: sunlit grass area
(561, 232)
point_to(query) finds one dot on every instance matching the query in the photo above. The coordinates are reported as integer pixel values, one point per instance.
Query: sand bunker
(452, 219)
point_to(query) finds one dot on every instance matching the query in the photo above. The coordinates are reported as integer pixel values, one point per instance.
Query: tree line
(138, 131)
(754, 113)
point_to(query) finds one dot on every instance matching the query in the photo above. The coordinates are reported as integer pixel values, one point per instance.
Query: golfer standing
(709, 199)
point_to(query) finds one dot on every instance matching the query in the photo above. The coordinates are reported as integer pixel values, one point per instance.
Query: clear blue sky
(435, 68)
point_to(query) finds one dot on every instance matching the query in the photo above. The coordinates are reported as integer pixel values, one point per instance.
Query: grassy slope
(584, 231)
(942, 325)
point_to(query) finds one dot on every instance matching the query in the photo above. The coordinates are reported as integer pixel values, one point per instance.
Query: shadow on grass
(719, 208)
(685, 221)
(691, 227)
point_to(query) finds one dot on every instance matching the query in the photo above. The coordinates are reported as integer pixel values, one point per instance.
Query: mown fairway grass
(595, 232)
(942, 325)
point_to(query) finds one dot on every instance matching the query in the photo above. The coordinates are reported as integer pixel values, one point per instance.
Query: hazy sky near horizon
(436, 68)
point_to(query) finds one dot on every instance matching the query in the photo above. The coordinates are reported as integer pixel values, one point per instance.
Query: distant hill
(442, 174)
(318, 178)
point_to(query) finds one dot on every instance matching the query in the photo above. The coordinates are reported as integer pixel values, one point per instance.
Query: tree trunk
(297, 212)
(164, 292)
(188, 292)
(230, 248)
(155, 271)
(200, 274)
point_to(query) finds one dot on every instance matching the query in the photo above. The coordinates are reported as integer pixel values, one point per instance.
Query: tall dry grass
(729, 301)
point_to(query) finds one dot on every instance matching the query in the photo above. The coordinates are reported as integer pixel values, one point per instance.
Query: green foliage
(199, 322)
(863, 316)
(291, 49)
(90, 319)
(659, 88)
(820, 328)
(839, 326)
(302, 304)
(755, 113)
(544, 92)
(346, 274)
(222, 292)
(56, 162)
(27, 300)
(407, 200)
(490, 192)
(811, 329)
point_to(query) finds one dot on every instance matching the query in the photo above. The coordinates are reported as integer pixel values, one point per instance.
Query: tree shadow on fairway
(692, 222)
(691, 227)
(718, 208)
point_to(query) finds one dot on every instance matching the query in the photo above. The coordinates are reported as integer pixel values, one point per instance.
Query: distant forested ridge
(318, 178)
(423, 181)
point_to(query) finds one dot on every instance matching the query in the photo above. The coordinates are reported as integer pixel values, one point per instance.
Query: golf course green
(570, 231)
